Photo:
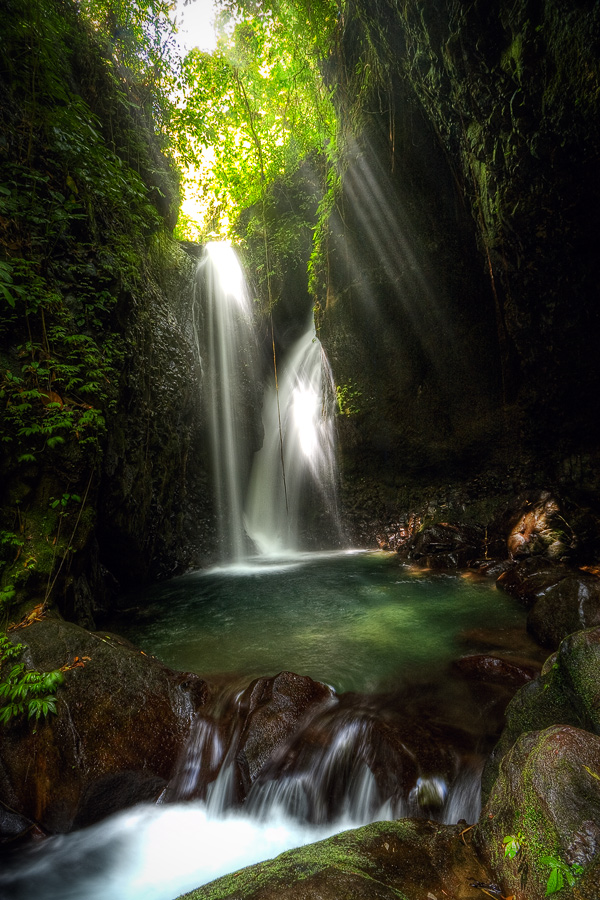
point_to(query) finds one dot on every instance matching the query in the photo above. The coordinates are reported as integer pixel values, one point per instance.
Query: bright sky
(195, 24)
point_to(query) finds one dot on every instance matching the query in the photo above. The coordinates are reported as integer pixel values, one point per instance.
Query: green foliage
(512, 844)
(24, 691)
(348, 397)
(139, 36)
(78, 186)
(560, 871)
(257, 108)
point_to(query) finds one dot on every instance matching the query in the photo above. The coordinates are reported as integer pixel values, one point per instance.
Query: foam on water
(152, 853)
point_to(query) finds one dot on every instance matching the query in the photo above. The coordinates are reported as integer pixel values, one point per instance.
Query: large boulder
(407, 859)
(560, 599)
(122, 719)
(547, 798)
(566, 693)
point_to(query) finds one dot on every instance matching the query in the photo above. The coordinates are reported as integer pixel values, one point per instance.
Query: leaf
(7, 295)
(555, 881)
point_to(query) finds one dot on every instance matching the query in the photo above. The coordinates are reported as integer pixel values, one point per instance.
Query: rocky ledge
(122, 721)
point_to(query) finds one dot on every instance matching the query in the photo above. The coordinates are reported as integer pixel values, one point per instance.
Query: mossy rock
(566, 693)
(122, 720)
(406, 860)
(547, 795)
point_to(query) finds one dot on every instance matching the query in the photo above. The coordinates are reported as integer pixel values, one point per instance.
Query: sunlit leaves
(255, 109)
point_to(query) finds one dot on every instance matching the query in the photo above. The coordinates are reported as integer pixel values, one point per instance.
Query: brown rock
(496, 669)
(271, 710)
(121, 721)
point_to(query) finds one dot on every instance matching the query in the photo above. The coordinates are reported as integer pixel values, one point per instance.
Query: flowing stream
(396, 734)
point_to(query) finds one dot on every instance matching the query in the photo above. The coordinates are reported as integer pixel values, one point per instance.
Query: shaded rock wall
(104, 474)
(460, 315)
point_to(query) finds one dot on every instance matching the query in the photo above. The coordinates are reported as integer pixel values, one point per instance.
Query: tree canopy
(253, 110)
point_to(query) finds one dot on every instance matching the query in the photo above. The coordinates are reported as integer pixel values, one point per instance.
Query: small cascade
(285, 503)
(343, 764)
(230, 369)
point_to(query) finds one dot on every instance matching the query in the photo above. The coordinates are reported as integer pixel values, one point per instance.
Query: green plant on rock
(348, 398)
(25, 691)
(560, 872)
(512, 844)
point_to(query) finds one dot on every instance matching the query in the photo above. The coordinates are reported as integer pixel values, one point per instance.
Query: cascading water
(229, 367)
(285, 499)
(403, 734)
(298, 492)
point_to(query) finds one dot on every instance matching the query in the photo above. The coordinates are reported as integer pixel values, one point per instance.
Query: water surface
(356, 621)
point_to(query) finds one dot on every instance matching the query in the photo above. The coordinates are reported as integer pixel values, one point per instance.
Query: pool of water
(356, 621)
(361, 622)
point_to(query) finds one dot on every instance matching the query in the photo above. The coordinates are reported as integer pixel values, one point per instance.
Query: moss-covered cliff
(103, 467)
(462, 248)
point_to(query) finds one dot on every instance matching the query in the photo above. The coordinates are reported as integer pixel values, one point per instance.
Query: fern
(25, 691)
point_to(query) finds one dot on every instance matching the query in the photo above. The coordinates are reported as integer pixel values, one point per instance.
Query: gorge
(417, 215)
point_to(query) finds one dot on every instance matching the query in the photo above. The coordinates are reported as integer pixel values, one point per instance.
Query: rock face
(455, 322)
(387, 860)
(567, 693)
(561, 600)
(547, 795)
(122, 719)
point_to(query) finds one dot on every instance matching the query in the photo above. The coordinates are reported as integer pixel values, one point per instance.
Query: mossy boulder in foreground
(122, 720)
(547, 796)
(406, 860)
(566, 693)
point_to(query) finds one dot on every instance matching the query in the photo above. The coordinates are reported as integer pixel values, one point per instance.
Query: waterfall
(230, 369)
(285, 501)
(289, 506)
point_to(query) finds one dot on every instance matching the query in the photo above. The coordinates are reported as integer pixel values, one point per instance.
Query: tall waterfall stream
(394, 732)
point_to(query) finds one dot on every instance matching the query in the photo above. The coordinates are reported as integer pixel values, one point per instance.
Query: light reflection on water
(359, 622)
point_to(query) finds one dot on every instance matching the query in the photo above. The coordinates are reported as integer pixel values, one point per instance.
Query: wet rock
(271, 710)
(537, 527)
(548, 791)
(495, 669)
(566, 693)
(122, 718)
(560, 599)
(490, 568)
(13, 826)
(528, 579)
(407, 858)
(570, 605)
(445, 546)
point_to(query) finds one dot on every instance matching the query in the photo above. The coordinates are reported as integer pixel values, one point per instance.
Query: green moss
(512, 58)
(345, 852)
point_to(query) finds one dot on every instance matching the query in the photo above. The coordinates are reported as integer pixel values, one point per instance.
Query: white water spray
(306, 395)
(288, 499)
